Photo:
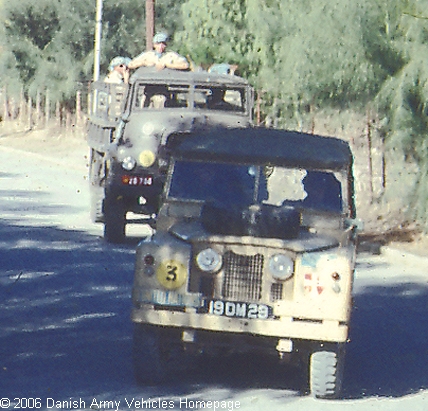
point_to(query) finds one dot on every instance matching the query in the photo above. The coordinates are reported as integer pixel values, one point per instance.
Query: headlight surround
(129, 163)
(281, 267)
(148, 128)
(147, 158)
(209, 260)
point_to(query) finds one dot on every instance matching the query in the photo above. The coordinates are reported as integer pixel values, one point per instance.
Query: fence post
(258, 108)
(30, 113)
(67, 119)
(47, 108)
(38, 109)
(370, 158)
(21, 119)
(58, 114)
(78, 108)
(5, 105)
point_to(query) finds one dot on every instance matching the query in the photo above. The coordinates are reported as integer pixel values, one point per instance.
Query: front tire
(114, 220)
(146, 355)
(158, 355)
(326, 373)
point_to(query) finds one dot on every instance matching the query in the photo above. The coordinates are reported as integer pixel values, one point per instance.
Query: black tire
(146, 355)
(326, 373)
(114, 220)
(158, 355)
(96, 175)
(97, 204)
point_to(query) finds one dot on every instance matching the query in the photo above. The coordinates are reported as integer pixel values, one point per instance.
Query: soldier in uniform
(159, 57)
(118, 71)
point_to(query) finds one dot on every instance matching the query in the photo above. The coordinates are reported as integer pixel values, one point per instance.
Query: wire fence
(43, 112)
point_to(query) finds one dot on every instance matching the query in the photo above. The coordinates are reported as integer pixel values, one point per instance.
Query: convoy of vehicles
(254, 250)
(132, 129)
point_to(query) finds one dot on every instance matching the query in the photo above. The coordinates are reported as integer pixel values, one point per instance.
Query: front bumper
(133, 189)
(283, 327)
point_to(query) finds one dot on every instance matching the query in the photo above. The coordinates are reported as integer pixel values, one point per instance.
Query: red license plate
(137, 180)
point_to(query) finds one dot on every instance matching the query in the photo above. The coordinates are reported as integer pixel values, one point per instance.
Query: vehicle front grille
(242, 277)
(276, 292)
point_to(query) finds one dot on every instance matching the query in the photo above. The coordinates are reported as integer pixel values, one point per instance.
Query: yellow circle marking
(147, 158)
(171, 274)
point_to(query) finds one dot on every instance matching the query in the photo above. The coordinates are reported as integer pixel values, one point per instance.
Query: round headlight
(128, 163)
(147, 158)
(281, 266)
(209, 260)
(148, 128)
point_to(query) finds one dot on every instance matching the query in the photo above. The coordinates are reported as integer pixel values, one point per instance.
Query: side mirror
(356, 223)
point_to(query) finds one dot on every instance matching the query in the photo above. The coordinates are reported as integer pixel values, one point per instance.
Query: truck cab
(132, 129)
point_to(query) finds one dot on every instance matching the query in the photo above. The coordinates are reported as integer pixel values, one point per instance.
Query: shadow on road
(64, 312)
(65, 328)
(388, 353)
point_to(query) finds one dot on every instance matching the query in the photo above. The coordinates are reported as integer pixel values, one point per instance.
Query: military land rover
(254, 250)
(133, 127)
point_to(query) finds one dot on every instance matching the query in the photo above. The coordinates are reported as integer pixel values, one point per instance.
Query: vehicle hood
(164, 123)
(193, 232)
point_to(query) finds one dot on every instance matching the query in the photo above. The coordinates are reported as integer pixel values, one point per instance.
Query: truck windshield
(164, 96)
(241, 185)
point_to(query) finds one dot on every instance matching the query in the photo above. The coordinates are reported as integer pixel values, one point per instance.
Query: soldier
(159, 57)
(118, 71)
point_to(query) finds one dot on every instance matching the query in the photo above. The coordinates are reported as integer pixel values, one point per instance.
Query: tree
(49, 43)
(215, 32)
(403, 99)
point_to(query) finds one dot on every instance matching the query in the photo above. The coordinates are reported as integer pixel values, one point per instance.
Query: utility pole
(97, 42)
(150, 23)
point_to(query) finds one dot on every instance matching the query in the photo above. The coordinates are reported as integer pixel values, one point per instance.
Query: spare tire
(256, 220)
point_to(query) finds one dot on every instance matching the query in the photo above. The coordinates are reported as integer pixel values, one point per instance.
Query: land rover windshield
(242, 185)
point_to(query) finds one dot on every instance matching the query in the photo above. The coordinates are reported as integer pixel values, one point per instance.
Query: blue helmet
(160, 38)
(117, 61)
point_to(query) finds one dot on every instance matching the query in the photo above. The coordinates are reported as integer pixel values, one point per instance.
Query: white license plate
(239, 310)
(171, 298)
(167, 298)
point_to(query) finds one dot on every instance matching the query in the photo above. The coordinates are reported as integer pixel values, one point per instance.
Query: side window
(226, 99)
(159, 96)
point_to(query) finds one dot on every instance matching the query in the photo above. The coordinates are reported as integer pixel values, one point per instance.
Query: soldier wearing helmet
(118, 70)
(159, 57)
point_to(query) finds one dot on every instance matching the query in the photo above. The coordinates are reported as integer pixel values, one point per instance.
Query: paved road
(65, 331)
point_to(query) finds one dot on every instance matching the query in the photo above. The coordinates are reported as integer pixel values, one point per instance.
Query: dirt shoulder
(66, 148)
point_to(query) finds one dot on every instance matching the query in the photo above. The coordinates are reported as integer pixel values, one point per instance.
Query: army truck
(133, 127)
(254, 252)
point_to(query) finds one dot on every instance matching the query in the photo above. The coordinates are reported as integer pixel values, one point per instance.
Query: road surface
(65, 333)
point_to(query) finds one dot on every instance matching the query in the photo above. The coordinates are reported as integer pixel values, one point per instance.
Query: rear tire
(97, 204)
(97, 172)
